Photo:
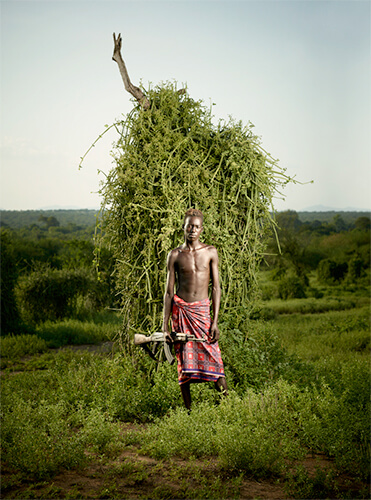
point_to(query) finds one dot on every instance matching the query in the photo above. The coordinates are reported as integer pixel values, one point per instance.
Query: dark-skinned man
(190, 269)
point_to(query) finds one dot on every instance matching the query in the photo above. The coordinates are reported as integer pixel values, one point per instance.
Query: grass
(306, 389)
(92, 330)
(341, 335)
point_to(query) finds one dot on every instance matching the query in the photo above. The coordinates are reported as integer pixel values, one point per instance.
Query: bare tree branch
(132, 89)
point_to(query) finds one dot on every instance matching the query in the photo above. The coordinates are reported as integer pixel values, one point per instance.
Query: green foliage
(253, 354)
(330, 272)
(51, 294)
(291, 287)
(17, 219)
(278, 409)
(301, 485)
(49, 221)
(10, 319)
(255, 433)
(341, 243)
(262, 433)
(36, 439)
(169, 158)
(355, 269)
(363, 223)
(338, 335)
(76, 331)
(310, 305)
(21, 345)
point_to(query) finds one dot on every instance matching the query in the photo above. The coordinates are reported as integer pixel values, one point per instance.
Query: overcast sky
(298, 70)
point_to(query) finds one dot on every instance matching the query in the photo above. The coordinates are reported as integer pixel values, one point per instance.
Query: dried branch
(132, 89)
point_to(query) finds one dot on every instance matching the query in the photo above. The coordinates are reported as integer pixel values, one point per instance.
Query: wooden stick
(132, 89)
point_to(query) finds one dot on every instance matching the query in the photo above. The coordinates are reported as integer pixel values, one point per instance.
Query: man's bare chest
(193, 262)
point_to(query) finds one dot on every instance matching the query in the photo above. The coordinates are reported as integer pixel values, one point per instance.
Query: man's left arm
(216, 294)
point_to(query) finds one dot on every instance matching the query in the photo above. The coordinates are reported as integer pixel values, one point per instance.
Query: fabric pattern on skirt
(197, 361)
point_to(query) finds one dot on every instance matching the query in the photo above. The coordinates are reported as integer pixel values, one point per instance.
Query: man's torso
(192, 268)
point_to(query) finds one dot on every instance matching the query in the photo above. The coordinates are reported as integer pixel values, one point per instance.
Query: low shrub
(291, 287)
(330, 272)
(37, 439)
(74, 332)
(51, 294)
(16, 346)
(255, 434)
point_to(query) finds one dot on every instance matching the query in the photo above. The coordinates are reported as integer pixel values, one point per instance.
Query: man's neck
(192, 245)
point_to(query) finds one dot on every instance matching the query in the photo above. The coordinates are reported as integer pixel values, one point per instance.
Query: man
(190, 268)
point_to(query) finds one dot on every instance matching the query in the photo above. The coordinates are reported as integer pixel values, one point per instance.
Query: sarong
(197, 361)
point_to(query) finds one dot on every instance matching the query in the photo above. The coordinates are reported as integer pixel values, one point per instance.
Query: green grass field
(299, 386)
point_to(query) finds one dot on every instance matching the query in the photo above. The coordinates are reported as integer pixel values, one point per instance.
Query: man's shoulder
(211, 248)
(174, 252)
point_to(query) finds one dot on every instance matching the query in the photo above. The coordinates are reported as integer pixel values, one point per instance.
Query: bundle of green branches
(172, 157)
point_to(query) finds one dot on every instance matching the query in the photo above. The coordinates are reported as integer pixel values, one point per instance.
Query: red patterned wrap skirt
(197, 361)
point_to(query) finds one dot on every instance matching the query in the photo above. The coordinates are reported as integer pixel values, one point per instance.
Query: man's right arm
(169, 294)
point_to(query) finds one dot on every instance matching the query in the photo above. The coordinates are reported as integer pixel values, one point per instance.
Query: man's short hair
(193, 212)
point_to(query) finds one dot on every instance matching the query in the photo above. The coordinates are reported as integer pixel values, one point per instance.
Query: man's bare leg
(186, 393)
(221, 386)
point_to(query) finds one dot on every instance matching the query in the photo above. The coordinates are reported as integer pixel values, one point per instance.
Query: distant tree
(355, 269)
(363, 223)
(49, 221)
(10, 319)
(330, 272)
(288, 220)
(339, 224)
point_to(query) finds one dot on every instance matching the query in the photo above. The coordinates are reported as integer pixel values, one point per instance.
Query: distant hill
(348, 217)
(324, 208)
(17, 219)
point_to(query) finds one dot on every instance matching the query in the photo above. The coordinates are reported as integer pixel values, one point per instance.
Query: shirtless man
(190, 268)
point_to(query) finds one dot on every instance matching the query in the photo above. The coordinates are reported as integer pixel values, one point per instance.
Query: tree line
(50, 270)
(337, 251)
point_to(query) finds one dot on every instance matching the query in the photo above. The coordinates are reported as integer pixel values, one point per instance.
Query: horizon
(315, 209)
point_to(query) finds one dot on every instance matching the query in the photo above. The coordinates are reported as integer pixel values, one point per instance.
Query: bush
(355, 269)
(74, 332)
(10, 319)
(21, 345)
(51, 294)
(253, 354)
(291, 287)
(330, 272)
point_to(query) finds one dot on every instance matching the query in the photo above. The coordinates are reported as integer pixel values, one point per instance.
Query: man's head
(193, 212)
(193, 224)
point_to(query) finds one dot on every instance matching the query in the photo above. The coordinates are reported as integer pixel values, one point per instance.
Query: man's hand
(167, 337)
(214, 333)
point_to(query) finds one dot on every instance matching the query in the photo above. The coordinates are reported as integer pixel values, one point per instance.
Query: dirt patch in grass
(132, 475)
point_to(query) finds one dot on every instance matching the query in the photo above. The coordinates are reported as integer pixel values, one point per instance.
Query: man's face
(192, 228)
